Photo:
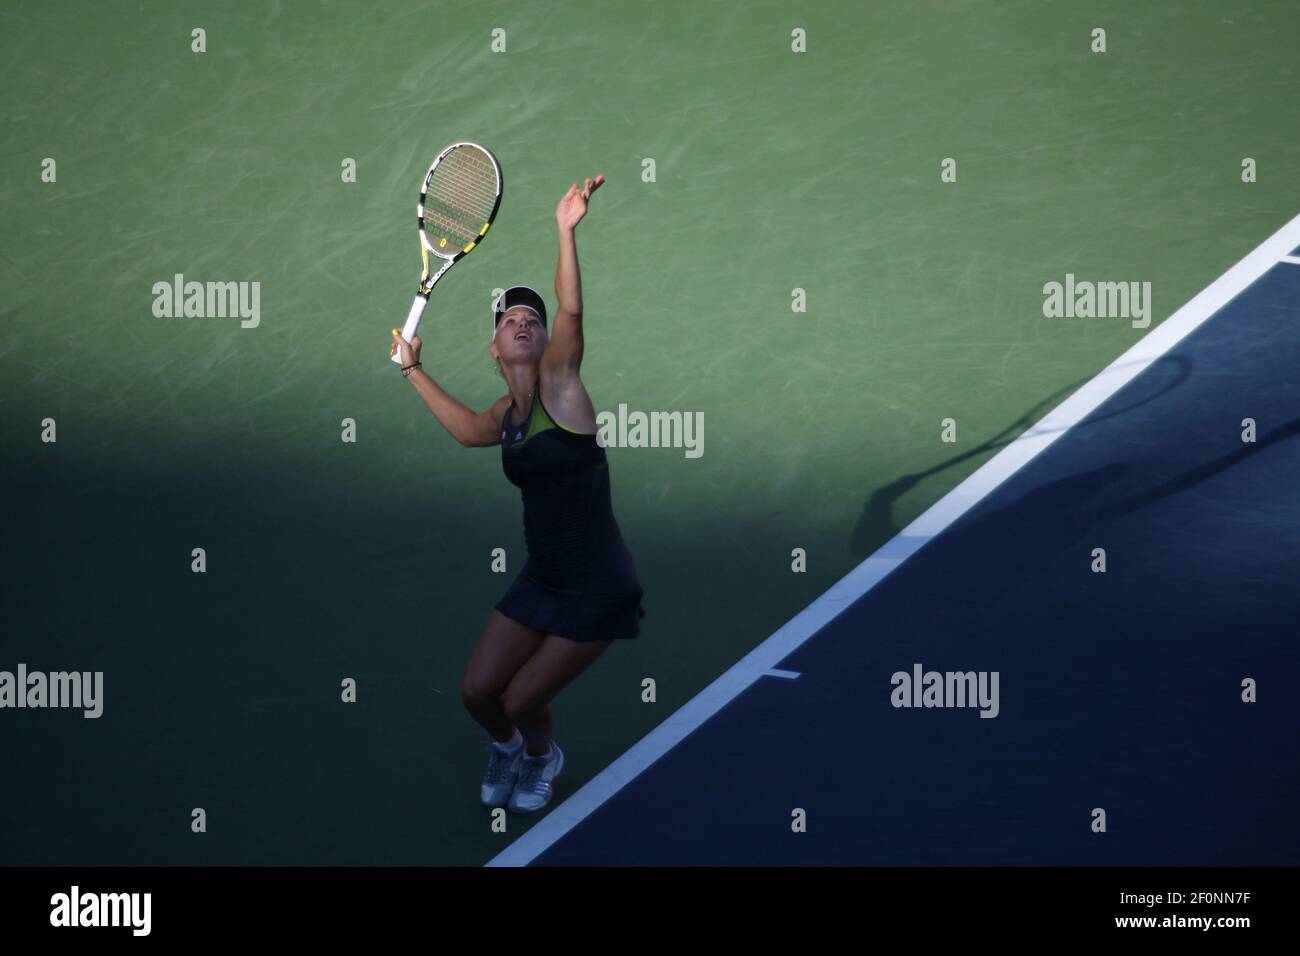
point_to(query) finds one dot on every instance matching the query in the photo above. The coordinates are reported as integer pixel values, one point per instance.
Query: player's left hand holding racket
(459, 199)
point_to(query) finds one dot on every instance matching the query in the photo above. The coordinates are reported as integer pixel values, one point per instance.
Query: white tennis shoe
(534, 789)
(502, 774)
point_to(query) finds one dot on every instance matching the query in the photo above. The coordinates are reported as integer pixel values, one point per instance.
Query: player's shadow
(1203, 472)
(876, 524)
(1010, 539)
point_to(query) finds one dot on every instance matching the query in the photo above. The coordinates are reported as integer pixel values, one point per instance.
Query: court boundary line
(835, 600)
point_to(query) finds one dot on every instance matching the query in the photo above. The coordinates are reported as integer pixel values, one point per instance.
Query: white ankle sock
(512, 746)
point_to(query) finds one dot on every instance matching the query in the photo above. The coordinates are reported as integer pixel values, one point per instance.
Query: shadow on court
(876, 522)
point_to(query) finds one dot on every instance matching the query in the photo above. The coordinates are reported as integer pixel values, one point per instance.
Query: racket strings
(456, 203)
(461, 194)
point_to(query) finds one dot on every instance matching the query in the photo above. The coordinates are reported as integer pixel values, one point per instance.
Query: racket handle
(412, 323)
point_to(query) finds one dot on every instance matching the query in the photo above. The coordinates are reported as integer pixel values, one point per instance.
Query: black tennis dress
(580, 580)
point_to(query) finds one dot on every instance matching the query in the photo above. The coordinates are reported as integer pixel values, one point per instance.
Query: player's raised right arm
(470, 428)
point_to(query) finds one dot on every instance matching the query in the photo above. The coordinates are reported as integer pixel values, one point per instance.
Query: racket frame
(428, 278)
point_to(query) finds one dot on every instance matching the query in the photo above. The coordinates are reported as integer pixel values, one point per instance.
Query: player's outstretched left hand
(574, 204)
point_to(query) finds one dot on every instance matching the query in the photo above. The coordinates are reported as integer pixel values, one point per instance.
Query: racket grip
(412, 323)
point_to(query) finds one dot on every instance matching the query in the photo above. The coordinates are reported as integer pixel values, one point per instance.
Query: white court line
(763, 658)
(787, 675)
(1294, 260)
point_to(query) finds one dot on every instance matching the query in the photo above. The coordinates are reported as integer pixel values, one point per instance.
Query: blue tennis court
(1118, 690)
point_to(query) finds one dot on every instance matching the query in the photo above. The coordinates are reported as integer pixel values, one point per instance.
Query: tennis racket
(459, 199)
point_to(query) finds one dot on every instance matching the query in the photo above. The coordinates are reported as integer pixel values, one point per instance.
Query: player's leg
(502, 649)
(554, 665)
(528, 705)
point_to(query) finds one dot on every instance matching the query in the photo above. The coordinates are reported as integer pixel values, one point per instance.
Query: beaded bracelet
(407, 370)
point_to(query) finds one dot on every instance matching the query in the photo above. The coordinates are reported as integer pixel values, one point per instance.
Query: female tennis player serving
(578, 591)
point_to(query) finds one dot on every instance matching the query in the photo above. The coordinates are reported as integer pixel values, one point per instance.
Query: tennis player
(578, 591)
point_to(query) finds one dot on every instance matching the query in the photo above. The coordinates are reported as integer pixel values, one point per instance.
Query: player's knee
(474, 693)
(520, 708)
